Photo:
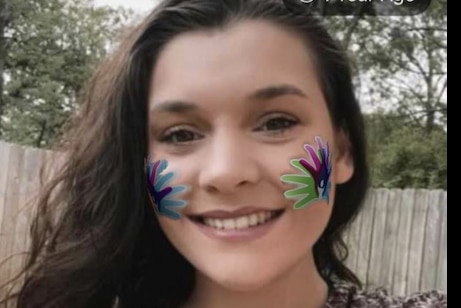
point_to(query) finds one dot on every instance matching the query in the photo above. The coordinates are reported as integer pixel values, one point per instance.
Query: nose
(230, 164)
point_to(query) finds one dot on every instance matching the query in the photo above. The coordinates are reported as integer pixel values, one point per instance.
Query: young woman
(218, 158)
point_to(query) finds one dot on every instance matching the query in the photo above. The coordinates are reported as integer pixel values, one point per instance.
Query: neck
(302, 286)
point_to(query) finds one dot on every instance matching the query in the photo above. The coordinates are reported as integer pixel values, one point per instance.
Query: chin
(241, 277)
(243, 284)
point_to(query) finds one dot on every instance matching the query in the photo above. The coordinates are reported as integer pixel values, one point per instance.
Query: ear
(343, 167)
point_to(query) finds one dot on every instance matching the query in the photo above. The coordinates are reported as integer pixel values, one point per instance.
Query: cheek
(164, 186)
(181, 169)
(180, 234)
(307, 225)
(172, 229)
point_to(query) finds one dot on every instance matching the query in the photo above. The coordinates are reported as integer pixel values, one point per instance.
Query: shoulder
(344, 295)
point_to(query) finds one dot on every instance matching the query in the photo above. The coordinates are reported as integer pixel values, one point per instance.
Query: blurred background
(48, 49)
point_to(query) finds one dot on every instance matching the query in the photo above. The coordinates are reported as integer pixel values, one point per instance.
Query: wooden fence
(399, 241)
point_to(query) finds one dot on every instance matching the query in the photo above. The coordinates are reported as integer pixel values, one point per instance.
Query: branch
(408, 111)
(409, 88)
(350, 31)
(444, 87)
(403, 66)
(416, 62)
(393, 61)
(426, 29)
(42, 133)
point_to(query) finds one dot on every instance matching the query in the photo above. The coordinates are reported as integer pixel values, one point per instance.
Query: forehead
(232, 62)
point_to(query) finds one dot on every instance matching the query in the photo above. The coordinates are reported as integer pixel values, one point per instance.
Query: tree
(412, 158)
(4, 20)
(51, 47)
(403, 154)
(401, 75)
(404, 60)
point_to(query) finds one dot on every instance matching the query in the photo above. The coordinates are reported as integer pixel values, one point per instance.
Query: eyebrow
(174, 106)
(263, 94)
(272, 92)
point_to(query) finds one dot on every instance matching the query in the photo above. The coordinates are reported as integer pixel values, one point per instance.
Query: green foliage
(403, 155)
(52, 46)
(400, 66)
(407, 65)
(400, 62)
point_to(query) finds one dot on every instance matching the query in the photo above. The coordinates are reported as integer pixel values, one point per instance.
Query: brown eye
(180, 136)
(278, 124)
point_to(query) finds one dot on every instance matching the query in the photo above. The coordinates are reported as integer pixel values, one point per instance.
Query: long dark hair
(95, 239)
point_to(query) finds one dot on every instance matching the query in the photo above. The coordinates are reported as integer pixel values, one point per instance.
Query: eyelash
(288, 123)
(174, 132)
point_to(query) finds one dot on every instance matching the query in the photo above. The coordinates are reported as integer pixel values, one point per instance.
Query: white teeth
(210, 222)
(229, 224)
(253, 220)
(239, 222)
(261, 217)
(242, 222)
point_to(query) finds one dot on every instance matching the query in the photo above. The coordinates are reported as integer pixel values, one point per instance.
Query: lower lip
(248, 234)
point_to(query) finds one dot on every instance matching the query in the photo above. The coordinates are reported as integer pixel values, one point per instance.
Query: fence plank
(431, 244)
(399, 286)
(10, 209)
(34, 186)
(442, 268)
(365, 238)
(417, 240)
(28, 177)
(391, 236)
(4, 163)
(377, 262)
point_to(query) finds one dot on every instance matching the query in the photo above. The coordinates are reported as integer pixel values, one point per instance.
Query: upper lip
(221, 214)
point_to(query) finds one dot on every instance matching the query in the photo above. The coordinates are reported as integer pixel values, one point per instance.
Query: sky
(140, 6)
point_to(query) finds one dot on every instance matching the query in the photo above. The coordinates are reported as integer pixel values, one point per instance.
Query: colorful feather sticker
(314, 182)
(159, 191)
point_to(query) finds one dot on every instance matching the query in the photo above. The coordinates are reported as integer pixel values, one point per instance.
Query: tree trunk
(430, 122)
(3, 21)
(430, 104)
(38, 142)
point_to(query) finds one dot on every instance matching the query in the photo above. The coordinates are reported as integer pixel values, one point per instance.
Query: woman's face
(229, 110)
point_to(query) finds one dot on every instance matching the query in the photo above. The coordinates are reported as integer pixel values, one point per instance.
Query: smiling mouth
(239, 223)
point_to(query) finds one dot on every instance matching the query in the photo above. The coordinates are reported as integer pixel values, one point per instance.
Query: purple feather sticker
(159, 191)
